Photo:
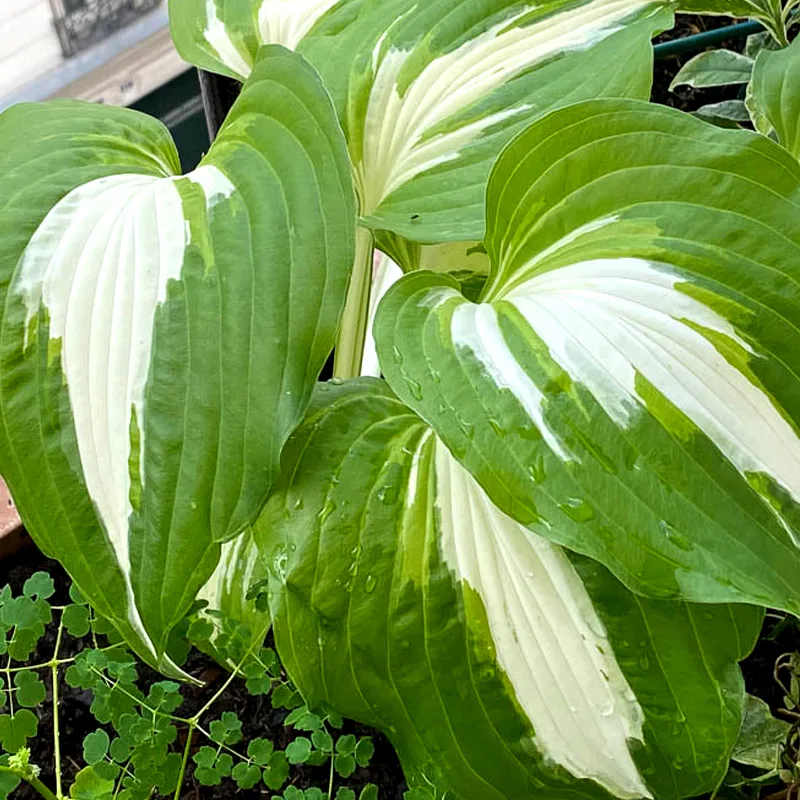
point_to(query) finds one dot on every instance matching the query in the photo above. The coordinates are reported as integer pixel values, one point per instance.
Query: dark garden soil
(258, 717)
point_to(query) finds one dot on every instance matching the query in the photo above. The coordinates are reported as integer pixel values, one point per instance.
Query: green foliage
(535, 549)
(144, 747)
(95, 747)
(30, 690)
(90, 784)
(16, 729)
(23, 619)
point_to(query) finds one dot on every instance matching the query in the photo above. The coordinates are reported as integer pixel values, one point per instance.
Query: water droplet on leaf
(536, 470)
(327, 510)
(675, 537)
(414, 388)
(577, 509)
(498, 428)
(388, 494)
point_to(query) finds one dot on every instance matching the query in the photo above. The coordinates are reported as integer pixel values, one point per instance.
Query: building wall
(119, 70)
(29, 46)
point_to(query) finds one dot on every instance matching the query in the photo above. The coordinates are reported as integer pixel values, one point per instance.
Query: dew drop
(498, 428)
(388, 494)
(414, 388)
(675, 537)
(536, 469)
(298, 504)
(371, 583)
(578, 509)
(327, 510)
(279, 563)
(631, 458)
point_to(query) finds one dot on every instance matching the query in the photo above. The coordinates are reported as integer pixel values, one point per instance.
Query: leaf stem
(353, 333)
(776, 24)
(186, 750)
(124, 771)
(8, 686)
(330, 780)
(235, 673)
(32, 781)
(200, 729)
(61, 662)
(217, 695)
(56, 738)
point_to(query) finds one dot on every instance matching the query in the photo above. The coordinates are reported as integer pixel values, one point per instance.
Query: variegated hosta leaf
(459, 260)
(429, 93)
(161, 335)
(500, 666)
(223, 36)
(730, 8)
(627, 386)
(775, 92)
(229, 607)
(385, 273)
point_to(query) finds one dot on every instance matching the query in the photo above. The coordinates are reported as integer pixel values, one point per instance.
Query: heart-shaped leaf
(161, 334)
(16, 729)
(627, 386)
(500, 666)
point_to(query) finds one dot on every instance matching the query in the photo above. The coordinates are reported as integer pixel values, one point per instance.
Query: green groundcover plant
(145, 743)
(534, 550)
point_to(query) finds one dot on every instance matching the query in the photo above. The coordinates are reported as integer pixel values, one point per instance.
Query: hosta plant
(768, 77)
(533, 549)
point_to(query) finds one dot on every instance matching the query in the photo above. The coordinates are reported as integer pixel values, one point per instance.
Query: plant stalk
(32, 781)
(353, 333)
(56, 738)
(776, 23)
(186, 750)
(9, 685)
(330, 779)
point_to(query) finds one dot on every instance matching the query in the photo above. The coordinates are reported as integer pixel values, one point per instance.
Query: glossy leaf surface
(776, 93)
(627, 386)
(428, 94)
(161, 335)
(499, 665)
(230, 607)
(714, 68)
